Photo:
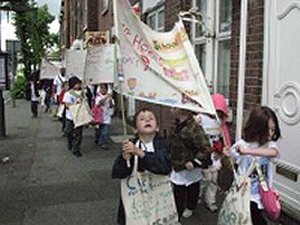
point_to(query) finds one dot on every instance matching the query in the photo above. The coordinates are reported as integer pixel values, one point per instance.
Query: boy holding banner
(147, 196)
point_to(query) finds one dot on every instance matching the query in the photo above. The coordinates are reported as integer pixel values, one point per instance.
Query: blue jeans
(102, 134)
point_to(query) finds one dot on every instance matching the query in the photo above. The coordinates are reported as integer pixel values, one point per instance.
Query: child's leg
(180, 195)
(204, 183)
(192, 195)
(77, 139)
(211, 191)
(69, 133)
(103, 141)
(257, 215)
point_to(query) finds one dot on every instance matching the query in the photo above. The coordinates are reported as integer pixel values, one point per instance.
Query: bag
(225, 174)
(148, 198)
(81, 114)
(235, 209)
(269, 197)
(60, 110)
(97, 112)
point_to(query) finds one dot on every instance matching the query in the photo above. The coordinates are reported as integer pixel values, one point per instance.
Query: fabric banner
(96, 38)
(159, 67)
(49, 70)
(75, 63)
(100, 64)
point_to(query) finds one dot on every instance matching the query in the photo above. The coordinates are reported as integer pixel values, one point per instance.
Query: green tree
(32, 28)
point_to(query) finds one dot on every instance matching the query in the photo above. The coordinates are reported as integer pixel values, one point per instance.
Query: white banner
(49, 70)
(75, 62)
(159, 67)
(100, 64)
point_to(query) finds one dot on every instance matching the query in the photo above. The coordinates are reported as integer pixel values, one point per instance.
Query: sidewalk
(44, 184)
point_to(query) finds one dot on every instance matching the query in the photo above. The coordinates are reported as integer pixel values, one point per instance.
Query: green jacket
(188, 141)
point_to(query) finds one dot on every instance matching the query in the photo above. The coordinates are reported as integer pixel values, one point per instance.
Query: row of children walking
(191, 157)
(100, 98)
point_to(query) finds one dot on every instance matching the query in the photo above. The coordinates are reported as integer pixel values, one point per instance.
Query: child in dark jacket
(153, 152)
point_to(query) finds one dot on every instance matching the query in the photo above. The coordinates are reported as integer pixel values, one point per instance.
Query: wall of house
(254, 56)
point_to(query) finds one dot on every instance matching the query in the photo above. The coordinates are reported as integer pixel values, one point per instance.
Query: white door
(281, 91)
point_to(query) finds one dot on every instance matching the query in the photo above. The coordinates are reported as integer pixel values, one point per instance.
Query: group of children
(192, 154)
(72, 94)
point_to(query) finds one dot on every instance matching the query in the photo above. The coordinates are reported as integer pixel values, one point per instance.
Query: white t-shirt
(107, 110)
(186, 177)
(58, 82)
(34, 98)
(70, 97)
(245, 161)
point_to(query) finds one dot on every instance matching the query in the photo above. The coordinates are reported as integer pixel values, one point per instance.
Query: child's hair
(140, 111)
(73, 81)
(105, 85)
(257, 126)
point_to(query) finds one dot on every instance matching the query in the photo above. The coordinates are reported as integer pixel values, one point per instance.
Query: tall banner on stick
(49, 70)
(159, 67)
(99, 64)
(75, 63)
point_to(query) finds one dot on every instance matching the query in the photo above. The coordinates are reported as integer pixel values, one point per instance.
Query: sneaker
(187, 213)
(78, 154)
(212, 207)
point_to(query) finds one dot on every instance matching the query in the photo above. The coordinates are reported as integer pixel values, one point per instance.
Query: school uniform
(74, 135)
(156, 160)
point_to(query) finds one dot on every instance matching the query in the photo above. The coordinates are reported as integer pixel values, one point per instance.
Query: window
(156, 19)
(104, 6)
(212, 42)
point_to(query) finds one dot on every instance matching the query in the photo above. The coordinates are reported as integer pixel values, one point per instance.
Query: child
(34, 94)
(74, 135)
(259, 135)
(188, 145)
(216, 131)
(152, 151)
(104, 99)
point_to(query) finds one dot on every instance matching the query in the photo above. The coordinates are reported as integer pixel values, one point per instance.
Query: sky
(7, 29)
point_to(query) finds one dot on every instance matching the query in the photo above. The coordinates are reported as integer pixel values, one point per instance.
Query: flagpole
(120, 72)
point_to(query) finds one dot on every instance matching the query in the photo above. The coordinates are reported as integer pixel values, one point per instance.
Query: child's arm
(120, 169)
(157, 162)
(265, 152)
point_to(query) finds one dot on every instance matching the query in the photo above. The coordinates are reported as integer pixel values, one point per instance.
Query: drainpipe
(241, 70)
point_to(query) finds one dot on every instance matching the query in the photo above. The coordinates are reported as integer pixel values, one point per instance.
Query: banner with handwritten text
(159, 67)
(100, 66)
(75, 63)
(49, 70)
(148, 199)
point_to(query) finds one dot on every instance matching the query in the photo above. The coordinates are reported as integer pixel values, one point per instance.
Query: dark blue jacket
(157, 162)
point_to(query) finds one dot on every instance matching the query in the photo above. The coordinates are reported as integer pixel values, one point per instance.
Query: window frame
(155, 13)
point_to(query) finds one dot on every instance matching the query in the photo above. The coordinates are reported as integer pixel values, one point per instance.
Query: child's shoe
(187, 213)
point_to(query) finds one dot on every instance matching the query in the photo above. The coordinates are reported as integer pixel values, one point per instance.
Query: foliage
(32, 28)
(18, 89)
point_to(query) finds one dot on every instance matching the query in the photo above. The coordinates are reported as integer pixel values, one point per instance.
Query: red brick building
(269, 76)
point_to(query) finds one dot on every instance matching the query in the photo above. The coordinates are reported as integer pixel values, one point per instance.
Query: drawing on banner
(97, 38)
(158, 67)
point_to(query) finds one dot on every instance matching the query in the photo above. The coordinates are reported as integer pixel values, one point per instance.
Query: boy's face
(146, 123)
(77, 86)
(103, 90)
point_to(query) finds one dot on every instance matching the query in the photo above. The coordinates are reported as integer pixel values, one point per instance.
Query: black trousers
(186, 197)
(257, 215)
(74, 136)
(34, 108)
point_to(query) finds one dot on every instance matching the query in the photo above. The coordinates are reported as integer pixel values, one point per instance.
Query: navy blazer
(157, 162)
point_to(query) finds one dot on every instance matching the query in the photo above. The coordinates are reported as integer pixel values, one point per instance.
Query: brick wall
(254, 56)
(93, 12)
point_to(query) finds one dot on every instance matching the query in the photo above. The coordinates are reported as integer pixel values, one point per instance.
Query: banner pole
(120, 72)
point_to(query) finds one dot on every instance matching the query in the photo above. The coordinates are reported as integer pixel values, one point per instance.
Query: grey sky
(53, 6)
